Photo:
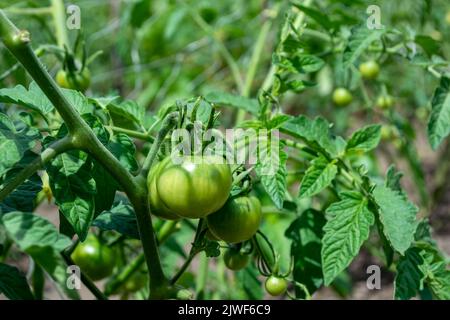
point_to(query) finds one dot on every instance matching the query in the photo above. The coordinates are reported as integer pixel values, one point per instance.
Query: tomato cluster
(199, 187)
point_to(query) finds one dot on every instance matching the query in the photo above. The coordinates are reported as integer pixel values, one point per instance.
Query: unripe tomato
(389, 132)
(342, 97)
(238, 220)
(135, 282)
(157, 207)
(195, 188)
(94, 258)
(385, 102)
(77, 81)
(276, 286)
(235, 260)
(369, 69)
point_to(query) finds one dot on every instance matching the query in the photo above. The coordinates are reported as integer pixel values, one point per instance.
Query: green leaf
(360, 39)
(315, 132)
(439, 122)
(74, 189)
(13, 283)
(128, 112)
(40, 239)
(409, 278)
(239, 102)
(298, 63)
(123, 148)
(321, 18)
(120, 218)
(348, 226)
(29, 231)
(22, 198)
(273, 179)
(277, 121)
(33, 98)
(423, 232)
(103, 102)
(79, 101)
(398, 217)
(393, 178)
(364, 139)
(13, 143)
(318, 176)
(428, 44)
(440, 283)
(306, 234)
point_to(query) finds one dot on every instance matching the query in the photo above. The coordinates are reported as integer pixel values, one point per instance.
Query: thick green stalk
(59, 17)
(254, 61)
(166, 230)
(82, 137)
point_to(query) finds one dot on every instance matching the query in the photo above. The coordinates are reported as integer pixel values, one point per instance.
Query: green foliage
(199, 65)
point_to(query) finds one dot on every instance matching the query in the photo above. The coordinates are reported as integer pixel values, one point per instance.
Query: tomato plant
(224, 150)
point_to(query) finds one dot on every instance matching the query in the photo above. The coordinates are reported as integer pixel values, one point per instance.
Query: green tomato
(238, 220)
(94, 258)
(389, 132)
(276, 286)
(369, 69)
(77, 81)
(157, 207)
(342, 97)
(136, 282)
(385, 102)
(194, 188)
(235, 260)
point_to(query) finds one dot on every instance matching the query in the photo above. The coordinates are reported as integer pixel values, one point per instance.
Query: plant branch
(18, 42)
(29, 11)
(166, 230)
(193, 252)
(255, 59)
(132, 133)
(48, 154)
(86, 281)
(170, 122)
(59, 17)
